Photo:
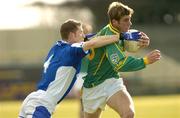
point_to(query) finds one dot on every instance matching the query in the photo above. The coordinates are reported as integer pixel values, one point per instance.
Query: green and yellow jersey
(107, 61)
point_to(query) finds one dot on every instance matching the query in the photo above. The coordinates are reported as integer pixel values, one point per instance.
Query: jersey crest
(114, 58)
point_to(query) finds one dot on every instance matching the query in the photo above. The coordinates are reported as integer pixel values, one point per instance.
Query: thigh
(93, 98)
(93, 115)
(121, 102)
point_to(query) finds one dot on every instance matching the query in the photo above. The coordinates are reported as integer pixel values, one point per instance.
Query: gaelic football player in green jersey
(103, 85)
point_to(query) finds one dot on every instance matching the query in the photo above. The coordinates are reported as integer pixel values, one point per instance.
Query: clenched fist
(152, 57)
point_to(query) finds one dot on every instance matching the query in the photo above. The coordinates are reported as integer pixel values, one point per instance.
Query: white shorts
(96, 97)
(79, 82)
(34, 105)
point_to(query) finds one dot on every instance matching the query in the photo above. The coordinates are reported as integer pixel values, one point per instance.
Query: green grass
(146, 107)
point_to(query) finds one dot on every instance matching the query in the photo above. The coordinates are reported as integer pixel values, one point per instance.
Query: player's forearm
(100, 41)
(131, 64)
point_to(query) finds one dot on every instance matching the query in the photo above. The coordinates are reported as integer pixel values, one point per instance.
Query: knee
(129, 114)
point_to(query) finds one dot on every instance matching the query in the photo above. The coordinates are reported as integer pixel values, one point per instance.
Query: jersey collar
(113, 29)
(61, 42)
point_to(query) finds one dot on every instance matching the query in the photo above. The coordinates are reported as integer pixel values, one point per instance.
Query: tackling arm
(100, 41)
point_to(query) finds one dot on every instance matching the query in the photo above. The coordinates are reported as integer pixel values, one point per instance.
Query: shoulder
(77, 45)
(107, 30)
(103, 30)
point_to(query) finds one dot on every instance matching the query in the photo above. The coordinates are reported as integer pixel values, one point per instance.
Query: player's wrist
(146, 61)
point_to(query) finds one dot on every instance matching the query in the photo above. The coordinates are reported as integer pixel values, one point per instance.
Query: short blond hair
(117, 10)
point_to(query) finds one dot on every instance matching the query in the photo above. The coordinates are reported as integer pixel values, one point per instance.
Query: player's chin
(126, 30)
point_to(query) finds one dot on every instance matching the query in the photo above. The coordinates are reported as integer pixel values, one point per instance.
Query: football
(131, 40)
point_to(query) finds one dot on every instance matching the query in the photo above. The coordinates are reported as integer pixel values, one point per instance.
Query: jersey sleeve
(77, 50)
(120, 61)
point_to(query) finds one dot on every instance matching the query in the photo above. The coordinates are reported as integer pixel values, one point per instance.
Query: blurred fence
(22, 52)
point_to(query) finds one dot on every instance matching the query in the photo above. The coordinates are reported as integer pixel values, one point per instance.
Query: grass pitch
(146, 107)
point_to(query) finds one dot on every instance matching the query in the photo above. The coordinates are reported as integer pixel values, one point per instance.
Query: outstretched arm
(100, 41)
(131, 62)
(123, 63)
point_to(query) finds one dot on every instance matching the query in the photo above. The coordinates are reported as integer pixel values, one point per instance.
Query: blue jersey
(61, 66)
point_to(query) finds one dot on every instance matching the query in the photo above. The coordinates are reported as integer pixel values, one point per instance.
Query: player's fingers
(153, 59)
(155, 55)
(156, 59)
(143, 34)
(143, 43)
(155, 52)
(145, 38)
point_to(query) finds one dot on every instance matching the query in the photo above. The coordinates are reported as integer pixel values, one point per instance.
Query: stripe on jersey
(62, 84)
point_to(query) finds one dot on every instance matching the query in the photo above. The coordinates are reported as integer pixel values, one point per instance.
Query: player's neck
(114, 27)
(71, 41)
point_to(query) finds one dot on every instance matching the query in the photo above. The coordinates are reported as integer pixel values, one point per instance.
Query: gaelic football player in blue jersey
(61, 66)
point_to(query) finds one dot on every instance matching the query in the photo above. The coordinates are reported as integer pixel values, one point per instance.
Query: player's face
(124, 23)
(79, 35)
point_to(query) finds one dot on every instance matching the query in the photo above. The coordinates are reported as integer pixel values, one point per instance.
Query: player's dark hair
(68, 26)
(117, 10)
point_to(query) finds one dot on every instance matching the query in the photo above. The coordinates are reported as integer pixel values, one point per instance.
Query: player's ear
(71, 35)
(114, 22)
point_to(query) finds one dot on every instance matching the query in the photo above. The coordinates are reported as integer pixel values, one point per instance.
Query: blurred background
(28, 28)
